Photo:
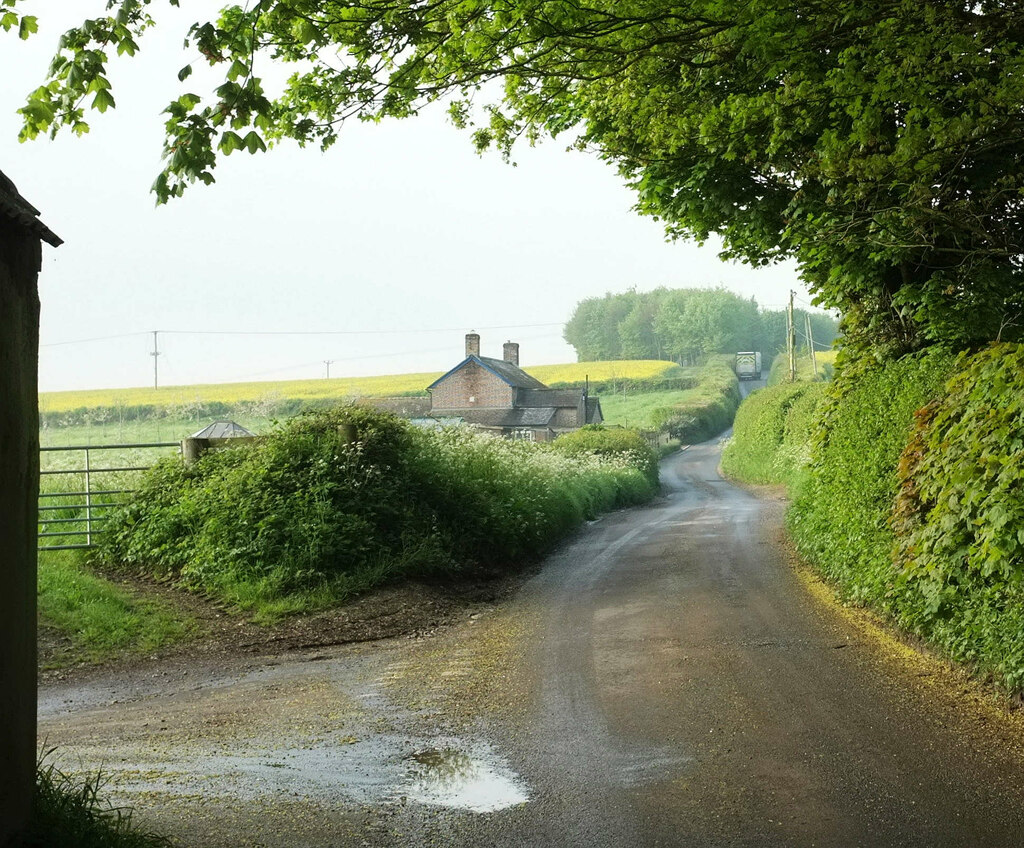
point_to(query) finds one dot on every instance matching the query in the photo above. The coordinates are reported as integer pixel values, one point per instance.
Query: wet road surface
(667, 678)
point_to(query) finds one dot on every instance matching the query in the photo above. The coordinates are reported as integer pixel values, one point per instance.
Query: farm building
(496, 395)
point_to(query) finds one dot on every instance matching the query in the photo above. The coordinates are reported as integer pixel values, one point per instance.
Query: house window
(523, 435)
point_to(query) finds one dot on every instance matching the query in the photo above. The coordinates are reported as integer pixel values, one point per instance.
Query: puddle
(447, 772)
(454, 778)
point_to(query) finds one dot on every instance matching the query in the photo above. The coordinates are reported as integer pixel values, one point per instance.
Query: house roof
(14, 207)
(533, 417)
(222, 430)
(511, 374)
(549, 397)
(593, 408)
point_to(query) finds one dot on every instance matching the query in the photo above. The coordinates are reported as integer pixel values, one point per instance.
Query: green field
(643, 410)
(393, 385)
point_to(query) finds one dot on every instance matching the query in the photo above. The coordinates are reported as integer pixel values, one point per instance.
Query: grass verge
(98, 618)
(70, 813)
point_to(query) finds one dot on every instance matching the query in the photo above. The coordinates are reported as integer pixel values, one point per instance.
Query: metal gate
(74, 522)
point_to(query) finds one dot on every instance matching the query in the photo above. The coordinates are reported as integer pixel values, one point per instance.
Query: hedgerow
(840, 515)
(617, 442)
(711, 407)
(959, 516)
(340, 500)
(771, 433)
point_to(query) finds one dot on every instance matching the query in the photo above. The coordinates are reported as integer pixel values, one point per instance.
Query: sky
(378, 255)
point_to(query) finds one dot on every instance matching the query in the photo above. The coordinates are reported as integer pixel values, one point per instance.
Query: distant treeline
(683, 325)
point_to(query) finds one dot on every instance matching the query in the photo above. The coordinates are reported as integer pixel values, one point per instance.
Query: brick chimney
(512, 352)
(472, 344)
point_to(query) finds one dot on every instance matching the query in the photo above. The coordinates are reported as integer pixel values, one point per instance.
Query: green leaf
(230, 142)
(253, 142)
(27, 27)
(238, 69)
(103, 100)
(184, 73)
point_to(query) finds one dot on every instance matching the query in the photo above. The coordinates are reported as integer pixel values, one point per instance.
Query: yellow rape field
(391, 385)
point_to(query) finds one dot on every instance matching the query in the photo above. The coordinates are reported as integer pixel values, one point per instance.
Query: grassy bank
(305, 518)
(97, 618)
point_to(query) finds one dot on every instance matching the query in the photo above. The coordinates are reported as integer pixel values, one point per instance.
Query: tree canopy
(684, 325)
(877, 142)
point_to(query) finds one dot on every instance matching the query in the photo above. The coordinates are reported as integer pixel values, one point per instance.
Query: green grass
(689, 415)
(100, 618)
(646, 411)
(147, 430)
(70, 813)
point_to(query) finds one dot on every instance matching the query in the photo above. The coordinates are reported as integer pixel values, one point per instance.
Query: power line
(354, 332)
(818, 345)
(96, 339)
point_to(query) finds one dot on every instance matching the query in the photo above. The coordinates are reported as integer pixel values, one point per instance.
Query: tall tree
(877, 142)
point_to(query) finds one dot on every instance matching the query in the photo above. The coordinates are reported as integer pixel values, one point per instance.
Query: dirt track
(668, 678)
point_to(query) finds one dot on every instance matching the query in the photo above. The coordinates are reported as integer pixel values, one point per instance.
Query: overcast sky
(400, 236)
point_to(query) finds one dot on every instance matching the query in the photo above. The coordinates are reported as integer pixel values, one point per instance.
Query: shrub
(598, 440)
(309, 512)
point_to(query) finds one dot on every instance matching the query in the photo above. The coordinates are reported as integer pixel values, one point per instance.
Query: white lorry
(748, 365)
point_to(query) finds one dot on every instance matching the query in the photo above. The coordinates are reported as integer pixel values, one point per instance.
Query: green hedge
(840, 518)
(959, 516)
(306, 516)
(913, 501)
(772, 433)
(711, 408)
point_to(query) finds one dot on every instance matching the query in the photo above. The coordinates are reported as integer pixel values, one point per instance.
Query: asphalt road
(668, 678)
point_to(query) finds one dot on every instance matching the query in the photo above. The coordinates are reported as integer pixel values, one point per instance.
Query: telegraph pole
(155, 353)
(810, 345)
(791, 339)
(328, 363)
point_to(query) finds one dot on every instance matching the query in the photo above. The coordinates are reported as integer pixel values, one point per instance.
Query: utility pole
(810, 345)
(791, 339)
(328, 363)
(155, 353)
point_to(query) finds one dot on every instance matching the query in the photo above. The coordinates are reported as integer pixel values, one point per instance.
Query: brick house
(498, 396)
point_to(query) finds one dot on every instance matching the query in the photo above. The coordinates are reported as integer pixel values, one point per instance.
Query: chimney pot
(512, 352)
(472, 344)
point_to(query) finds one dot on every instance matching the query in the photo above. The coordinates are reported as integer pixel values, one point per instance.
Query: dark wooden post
(20, 261)
(193, 448)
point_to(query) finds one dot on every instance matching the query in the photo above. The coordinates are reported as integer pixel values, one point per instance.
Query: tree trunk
(20, 257)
